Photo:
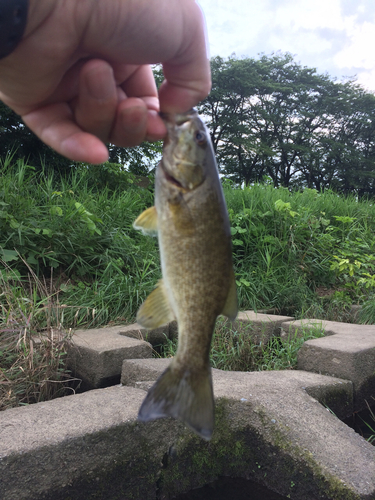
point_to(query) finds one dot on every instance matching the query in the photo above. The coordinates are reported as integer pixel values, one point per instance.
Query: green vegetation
(70, 258)
(287, 246)
(241, 347)
(81, 233)
(371, 426)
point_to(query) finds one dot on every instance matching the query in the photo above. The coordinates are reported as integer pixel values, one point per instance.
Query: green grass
(84, 234)
(288, 244)
(69, 257)
(242, 347)
(370, 425)
(285, 245)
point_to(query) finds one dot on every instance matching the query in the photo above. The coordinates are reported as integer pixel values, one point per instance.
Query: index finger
(187, 74)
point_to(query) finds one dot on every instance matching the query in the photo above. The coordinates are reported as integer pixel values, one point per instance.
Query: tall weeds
(33, 342)
(286, 246)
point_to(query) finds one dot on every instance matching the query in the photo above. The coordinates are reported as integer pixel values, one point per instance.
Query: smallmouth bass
(192, 224)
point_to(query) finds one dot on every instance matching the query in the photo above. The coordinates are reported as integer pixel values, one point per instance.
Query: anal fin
(231, 308)
(155, 310)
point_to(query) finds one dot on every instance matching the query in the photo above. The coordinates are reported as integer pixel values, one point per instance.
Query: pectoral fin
(230, 309)
(147, 222)
(155, 310)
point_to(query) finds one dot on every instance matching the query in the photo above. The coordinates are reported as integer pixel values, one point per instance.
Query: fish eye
(200, 137)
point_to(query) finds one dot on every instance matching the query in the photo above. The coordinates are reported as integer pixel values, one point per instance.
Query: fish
(191, 222)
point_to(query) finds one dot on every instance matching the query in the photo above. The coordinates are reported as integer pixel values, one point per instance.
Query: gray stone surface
(156, 336)
(96, 355)
(140, 370)
(261, 327)
(268, 429)
(271, 427)
(347, 351)
(48, 448)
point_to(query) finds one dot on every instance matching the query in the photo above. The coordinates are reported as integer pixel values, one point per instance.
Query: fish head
(185, 150)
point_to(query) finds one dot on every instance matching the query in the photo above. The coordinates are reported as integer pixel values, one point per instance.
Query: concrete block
(139, 370)
(347, 351)
(261, 327)
(268, 429)
(156, 336)
(96, 355)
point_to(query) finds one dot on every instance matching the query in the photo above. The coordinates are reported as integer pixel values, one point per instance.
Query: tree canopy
(271, 117)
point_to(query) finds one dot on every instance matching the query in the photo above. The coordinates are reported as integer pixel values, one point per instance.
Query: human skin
(81, 75)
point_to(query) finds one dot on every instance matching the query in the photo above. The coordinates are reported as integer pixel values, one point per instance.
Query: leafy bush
(286, 245)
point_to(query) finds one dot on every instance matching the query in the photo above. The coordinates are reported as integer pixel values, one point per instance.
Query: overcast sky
(335, 36)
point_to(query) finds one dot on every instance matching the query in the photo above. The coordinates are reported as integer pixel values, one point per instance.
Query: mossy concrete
(286, 425)
(268, 429)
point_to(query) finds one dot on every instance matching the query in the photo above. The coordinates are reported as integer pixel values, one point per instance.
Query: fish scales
(192, 224)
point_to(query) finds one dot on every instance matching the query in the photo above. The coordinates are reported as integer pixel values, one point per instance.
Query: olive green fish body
(191, 220)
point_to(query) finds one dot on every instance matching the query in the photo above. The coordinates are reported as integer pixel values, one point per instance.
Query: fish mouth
(170, 178)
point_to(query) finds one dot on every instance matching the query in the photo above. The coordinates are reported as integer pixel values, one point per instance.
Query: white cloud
(336, 36)
(360, 50)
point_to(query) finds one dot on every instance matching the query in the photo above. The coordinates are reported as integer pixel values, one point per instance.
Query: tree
(21, 142)
(274, 117)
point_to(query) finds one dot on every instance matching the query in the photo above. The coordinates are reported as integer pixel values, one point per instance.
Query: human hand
(80, 77)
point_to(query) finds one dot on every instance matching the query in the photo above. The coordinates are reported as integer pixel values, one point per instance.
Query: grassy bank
(308, 253)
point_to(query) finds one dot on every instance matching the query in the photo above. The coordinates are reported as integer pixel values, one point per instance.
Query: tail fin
(187, 396)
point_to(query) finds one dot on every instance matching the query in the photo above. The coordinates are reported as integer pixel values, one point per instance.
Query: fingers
(101, 113)
(118, 104)
(187, 74)
(131, 123)
(54, 124)
(95, 110)
(104, 109)
(172, 33)
(137, 114)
